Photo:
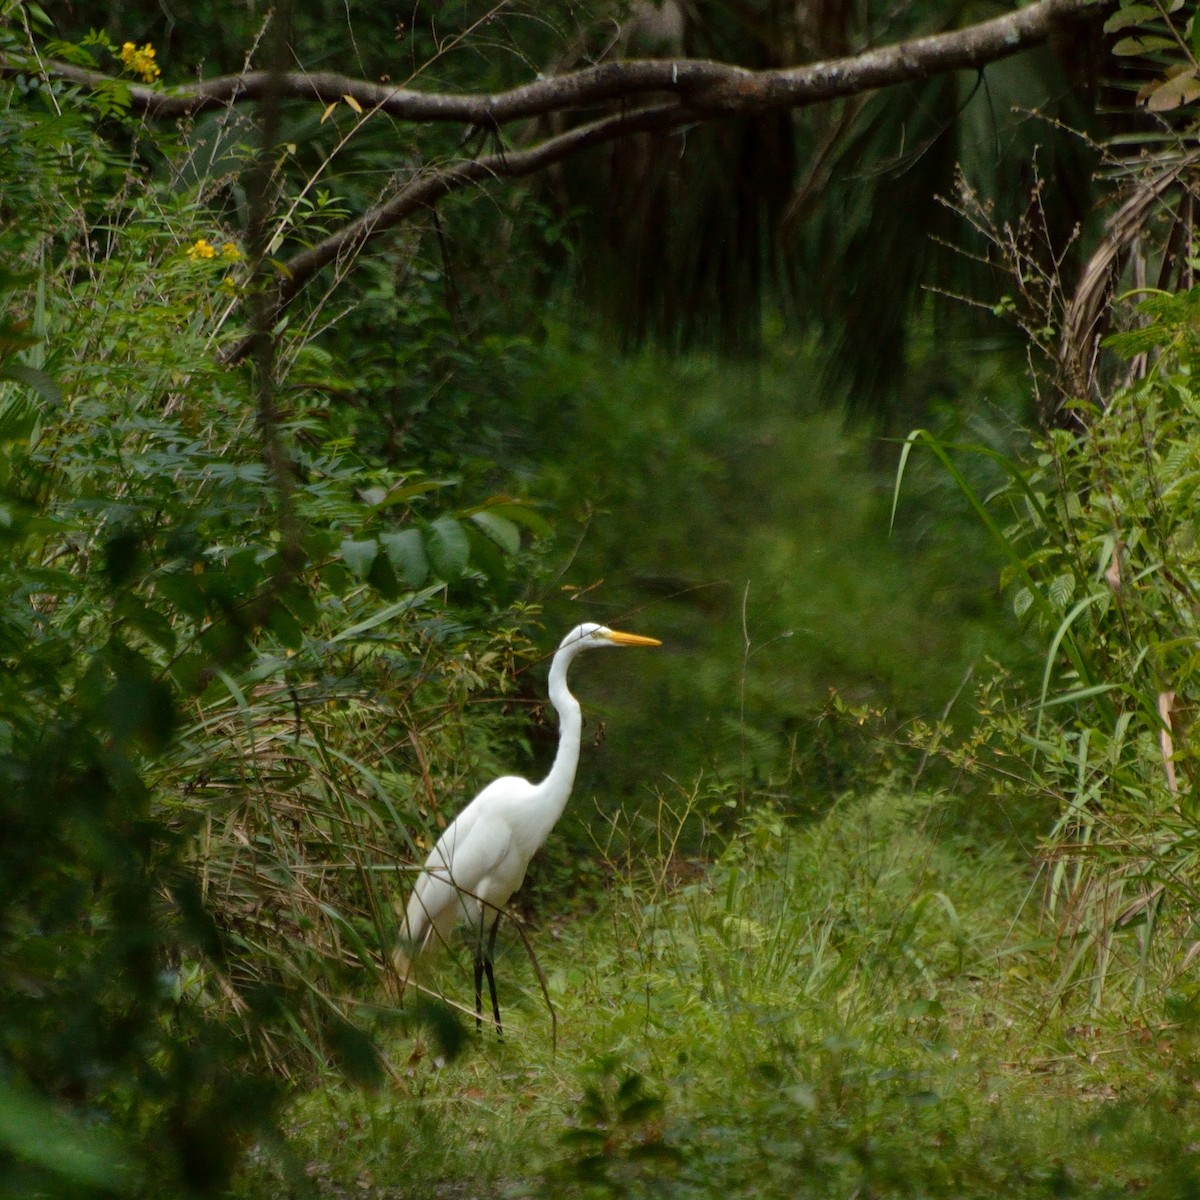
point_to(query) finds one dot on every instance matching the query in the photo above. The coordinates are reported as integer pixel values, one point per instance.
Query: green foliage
(1100, 535)
(721, 509)
(857, 1005)
(238, 639)
(229, 684)
(615, 1146)
(741, 220)
(1164, 40)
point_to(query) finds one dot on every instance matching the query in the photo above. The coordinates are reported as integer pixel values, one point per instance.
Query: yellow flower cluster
(141, 62)
(203, 248)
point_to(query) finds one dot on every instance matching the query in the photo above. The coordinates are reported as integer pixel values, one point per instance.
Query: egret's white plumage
(481, 858)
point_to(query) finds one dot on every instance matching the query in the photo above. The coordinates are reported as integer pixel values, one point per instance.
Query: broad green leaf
(359, 554)
(523, 515)
(31, 377)
(34, 1131)
(18, 418)
(486, 555)
(449, 549)
(384, 615)
(380, 498)
(139, 705)
(500, 529)
(1062, 588)
(148, 621)
(285, 627)
(383, 578)
(186, 591)
(1146, 44)
(406, 552)
(300, 602)
(1124, 18)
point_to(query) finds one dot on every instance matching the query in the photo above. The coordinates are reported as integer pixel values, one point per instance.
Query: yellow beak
(631, 639)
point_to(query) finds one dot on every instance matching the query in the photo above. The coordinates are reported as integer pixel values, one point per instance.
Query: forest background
(333, 391)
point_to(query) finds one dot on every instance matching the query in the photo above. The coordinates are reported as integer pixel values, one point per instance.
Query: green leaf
(401, 493)
(35, 1131)
(584, 1138)
(449, 549)
(487, 556)
(1147, 44)
(656, 1150)
(31, 377)
(442, 1021)
(18, 418)
(300, 603)
(122, 555)
(1062, 588)
(383, 579)
(359, 555)
(500, 529)
(384, 615)
(139, 706)
(283, 624)
(185, 590)
(356, 1052)
(1135, 14)
(148, 621)
(522, 514)
(641, 1109)
(406, 552)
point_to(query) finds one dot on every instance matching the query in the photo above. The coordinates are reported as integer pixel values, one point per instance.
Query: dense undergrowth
(262, 628)
(719, 504)
(858, 1007)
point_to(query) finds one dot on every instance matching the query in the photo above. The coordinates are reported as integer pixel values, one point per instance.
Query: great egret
(481, 857)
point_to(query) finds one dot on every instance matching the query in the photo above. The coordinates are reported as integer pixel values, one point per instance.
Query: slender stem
(262, 342)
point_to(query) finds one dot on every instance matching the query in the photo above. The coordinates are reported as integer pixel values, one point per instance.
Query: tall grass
(304, 783)
(1098, 528)
(851, 1008)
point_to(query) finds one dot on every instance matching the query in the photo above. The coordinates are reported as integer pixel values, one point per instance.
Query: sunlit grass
(850, 1009)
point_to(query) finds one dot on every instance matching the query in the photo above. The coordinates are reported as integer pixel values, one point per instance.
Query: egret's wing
(463, 863)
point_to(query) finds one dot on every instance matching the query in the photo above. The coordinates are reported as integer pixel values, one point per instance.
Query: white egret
(481, 857)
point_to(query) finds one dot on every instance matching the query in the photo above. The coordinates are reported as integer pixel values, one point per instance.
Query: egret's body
(481, 858)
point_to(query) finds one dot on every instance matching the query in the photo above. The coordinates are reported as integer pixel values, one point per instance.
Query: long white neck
(557, 785)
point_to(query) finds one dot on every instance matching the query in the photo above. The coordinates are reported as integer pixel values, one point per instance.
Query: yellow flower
(141, 62)
(231, 252)
(201, 248)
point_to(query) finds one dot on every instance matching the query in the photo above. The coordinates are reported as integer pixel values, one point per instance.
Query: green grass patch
(848, 1009)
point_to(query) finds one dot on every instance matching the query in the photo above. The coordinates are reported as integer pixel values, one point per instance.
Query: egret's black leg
(491, 977)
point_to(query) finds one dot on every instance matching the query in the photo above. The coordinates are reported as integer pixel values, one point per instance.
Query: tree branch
(711, 88)
(689, 90)
(435, 184)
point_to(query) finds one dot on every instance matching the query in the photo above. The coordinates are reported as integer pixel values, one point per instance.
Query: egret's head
(591, 636)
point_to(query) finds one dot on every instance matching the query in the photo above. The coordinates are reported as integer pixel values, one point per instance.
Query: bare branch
(435, 184)
(687, 91)
(711, 88)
